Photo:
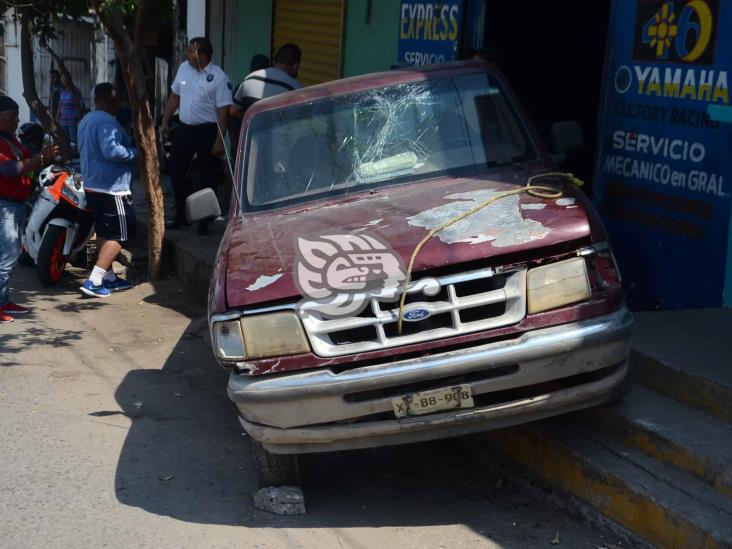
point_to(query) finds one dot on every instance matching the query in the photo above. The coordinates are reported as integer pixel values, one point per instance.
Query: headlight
(558, 284)
(259, 336)
(228, 341)
(274, 334)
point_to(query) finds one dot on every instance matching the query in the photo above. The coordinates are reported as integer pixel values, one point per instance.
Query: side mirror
(566, 137)
(202, 205)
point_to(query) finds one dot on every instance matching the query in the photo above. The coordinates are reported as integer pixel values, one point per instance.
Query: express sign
(429, 32)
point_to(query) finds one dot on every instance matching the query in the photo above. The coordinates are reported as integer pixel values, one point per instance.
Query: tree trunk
(130, 56)
(30, 92)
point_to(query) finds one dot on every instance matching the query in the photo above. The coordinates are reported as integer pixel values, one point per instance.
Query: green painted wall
(255, 34)
(367, 47)
(370, 46)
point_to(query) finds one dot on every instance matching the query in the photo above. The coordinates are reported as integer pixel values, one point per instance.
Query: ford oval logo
(415, 315)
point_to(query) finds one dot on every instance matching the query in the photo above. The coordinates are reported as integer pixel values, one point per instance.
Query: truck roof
(366, 82)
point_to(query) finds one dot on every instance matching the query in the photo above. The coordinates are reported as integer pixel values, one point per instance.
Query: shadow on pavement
(185, 457)
(32, 334)
(184, 454)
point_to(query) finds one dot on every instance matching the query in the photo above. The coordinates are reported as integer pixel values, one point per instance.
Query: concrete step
(686, 355)
(670, 431)
(683, 384)
(664, 505)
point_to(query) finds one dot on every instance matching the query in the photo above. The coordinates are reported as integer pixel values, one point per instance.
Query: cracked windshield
(379, 137)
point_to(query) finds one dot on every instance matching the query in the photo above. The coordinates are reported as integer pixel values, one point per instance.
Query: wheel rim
(58, 261)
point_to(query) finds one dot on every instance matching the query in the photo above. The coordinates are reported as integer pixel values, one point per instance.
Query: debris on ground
(280, 500)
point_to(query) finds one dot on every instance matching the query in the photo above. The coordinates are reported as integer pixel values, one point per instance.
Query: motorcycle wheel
(51, 258)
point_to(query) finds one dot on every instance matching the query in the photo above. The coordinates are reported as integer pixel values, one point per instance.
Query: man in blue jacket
(107, 162)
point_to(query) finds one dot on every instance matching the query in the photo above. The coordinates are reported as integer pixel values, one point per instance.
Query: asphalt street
(116, 431)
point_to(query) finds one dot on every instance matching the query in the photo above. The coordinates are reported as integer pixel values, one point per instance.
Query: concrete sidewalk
(658, 463)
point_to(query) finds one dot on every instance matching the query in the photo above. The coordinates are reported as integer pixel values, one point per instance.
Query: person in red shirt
(16, 162)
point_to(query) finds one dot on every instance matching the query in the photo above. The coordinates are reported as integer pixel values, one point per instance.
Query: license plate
(427, 402)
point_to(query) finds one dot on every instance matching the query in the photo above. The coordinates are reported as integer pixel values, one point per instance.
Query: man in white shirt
(280, 78)
(201, 92)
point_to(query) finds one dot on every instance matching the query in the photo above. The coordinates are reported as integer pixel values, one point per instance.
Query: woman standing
(70, 107)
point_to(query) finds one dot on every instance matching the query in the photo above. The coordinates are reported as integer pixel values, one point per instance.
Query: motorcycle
(60, 225)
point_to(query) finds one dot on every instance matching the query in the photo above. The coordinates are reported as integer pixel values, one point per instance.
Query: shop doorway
(553, 54)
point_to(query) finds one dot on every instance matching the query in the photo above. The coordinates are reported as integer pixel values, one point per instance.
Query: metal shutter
(316, 26)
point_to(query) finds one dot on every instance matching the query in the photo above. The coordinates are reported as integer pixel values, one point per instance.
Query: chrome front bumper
(309, 412)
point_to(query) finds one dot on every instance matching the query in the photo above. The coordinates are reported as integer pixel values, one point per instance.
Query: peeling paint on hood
(263, 281)
(263, 242)
(499, 223)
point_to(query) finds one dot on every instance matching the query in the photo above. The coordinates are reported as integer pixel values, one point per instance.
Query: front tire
(51, 258)
(275, 469)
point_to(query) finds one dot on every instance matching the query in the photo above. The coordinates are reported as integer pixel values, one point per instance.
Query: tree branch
(60, 62)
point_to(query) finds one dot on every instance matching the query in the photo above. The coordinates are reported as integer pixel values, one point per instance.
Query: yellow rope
(538, 191)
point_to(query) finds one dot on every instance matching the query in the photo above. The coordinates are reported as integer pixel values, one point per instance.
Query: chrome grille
(467, 302)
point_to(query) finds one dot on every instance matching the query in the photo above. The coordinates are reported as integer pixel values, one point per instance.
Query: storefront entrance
(554, 63)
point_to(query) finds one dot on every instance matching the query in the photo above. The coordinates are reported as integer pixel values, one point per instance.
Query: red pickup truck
(512, 310)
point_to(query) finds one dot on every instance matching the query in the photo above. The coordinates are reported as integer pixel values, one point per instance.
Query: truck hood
(262, 245)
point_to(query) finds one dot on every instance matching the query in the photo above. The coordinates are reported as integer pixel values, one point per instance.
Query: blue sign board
(429, 32)
(663, 175)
